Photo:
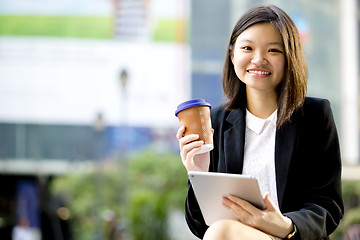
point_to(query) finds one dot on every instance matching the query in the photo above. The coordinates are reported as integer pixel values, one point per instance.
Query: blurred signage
(27, 212)
(69, 78)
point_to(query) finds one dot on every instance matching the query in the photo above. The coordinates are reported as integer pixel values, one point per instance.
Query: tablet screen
(210, 188)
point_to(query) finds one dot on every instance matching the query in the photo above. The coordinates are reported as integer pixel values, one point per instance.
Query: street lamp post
(124, 77)
(123, 81)
(99, 128)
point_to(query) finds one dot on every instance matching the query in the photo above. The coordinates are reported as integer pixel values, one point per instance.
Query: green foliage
(170, 30)
(158, 184)
(89, 194)
(351, 197)
(142, 191)
(56, 26)
(351, 188)
(80, 195)
(148, 214)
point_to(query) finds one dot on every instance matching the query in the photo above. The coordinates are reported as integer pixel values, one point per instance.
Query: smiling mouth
(258, 72)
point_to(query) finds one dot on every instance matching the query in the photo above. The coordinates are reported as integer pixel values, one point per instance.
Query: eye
(274, 50)
(246, 48)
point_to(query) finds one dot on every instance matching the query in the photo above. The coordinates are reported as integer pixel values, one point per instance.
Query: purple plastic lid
(191, 103)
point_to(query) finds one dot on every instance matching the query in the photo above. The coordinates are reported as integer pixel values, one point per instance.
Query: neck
(262, 105)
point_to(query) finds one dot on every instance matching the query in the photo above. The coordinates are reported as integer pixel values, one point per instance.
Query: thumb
(269, 204)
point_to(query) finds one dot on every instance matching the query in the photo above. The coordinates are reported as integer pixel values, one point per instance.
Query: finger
(193, 144)
(180, 132)
(269, 204)
(241, 214)
(188, 139)
(190, 155)
(189, 150)
(245, 205)
(227, 202)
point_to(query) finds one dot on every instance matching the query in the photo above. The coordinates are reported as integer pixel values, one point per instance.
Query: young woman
(269, 129)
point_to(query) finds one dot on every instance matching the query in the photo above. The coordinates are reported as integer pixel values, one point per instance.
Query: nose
(259, 59)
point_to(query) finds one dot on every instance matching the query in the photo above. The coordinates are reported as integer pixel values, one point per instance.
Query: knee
(220, 230)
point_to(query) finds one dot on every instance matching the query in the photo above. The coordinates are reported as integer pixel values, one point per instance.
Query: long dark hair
(292, 89)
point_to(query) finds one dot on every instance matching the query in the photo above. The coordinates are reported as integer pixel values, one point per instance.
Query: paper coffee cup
(195, 116)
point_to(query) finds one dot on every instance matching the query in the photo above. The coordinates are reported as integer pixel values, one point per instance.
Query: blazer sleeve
(193, 215)
(313, 197)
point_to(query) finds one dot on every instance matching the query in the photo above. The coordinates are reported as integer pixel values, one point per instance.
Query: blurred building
(132, 20)
(64, 97)
(82, 81)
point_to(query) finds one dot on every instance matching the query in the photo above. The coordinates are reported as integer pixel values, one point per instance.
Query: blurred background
(88, 91)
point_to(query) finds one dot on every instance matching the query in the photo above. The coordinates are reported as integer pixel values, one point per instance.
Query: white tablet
(210, 188)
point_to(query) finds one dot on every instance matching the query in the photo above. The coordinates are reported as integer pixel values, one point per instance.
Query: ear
(231, 53)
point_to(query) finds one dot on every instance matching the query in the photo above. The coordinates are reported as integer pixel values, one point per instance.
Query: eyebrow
(271, 43)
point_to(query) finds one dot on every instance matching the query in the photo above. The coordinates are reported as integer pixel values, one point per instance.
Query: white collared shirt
(259, 152)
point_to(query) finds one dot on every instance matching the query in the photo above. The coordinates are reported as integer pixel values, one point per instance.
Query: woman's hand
(189, 147)
(270, 220)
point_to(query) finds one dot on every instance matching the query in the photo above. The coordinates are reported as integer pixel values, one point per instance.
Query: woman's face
(259, 57)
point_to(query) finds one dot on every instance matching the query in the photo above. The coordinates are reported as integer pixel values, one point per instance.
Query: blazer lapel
(234, 141)
(284, 146)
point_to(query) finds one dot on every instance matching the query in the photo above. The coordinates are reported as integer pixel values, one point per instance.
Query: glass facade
(317, 23)
(209, 33)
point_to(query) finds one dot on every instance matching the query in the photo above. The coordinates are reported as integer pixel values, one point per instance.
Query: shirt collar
(258, 124)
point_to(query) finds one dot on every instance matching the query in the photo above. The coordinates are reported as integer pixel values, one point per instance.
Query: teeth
(258, 72)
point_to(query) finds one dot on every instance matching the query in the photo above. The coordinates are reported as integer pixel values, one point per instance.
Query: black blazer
(307, 163)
